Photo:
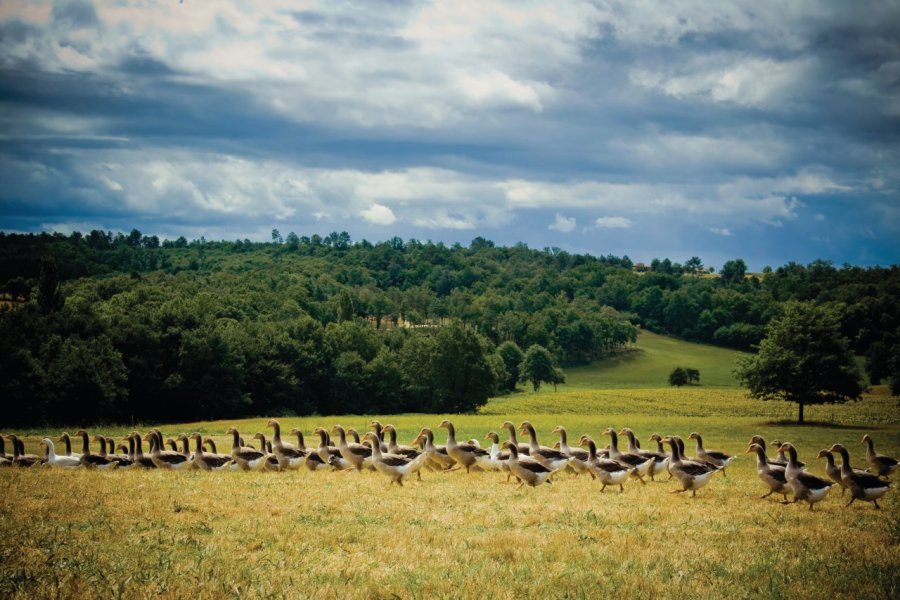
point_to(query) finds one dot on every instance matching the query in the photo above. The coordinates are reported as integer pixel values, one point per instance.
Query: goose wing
(248, 455)
(395, 460)
(867, 480)
(886, 461)
(812, 482)
(533, 466)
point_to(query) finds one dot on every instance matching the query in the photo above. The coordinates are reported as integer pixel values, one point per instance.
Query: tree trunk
(800, 417)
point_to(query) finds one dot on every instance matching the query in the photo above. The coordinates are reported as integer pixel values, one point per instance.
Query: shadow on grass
(619, 357)
(826, 424)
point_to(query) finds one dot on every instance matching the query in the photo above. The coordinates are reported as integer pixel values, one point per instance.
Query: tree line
(177, 328)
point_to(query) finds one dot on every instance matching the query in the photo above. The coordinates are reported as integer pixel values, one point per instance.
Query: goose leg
(875, 502)
(849, 503)
(603, 488)
(621, 488)
(769, 494)
(521, 483)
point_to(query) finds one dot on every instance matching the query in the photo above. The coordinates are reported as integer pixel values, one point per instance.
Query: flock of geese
(531, 464)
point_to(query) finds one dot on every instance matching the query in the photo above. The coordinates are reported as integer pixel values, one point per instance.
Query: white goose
(55, 460)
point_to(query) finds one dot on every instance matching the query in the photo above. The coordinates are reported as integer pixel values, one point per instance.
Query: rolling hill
(648, 363)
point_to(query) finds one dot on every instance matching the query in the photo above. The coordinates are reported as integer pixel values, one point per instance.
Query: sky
(762, 130)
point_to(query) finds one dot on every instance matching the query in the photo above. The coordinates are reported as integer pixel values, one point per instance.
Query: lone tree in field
(802, 359)
(683, 375)
(678, 377)
(537, 367)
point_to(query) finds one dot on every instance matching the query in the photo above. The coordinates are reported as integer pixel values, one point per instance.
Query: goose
(301, 445)
(357, 455)
(660, 459)
(720, 459)
(438, 457)
(208, 441)
(140, 460)
(466, 455)
(522, 448)
(271, 463)
(54, 460)
(165, 459)
(781, 458)
(96, 461)
(111, 449)
(3, 454)
(609, 472)
(244, 458)
(379, 431)
(330, 454)
(528, 470)
(171, 445)
(288, 456)
(208, 462)
(640, 463)
(772, 475)
(85, 441)
(862, 486)
(314, 462)
(20, 458)
(276, 435)
(123, 461)
(550, 458)
(806, 486)
(67, 441)
(659, 467)
(577, 457)
(496, 460)
(185, 445)
(394, 466)
(684, 455)
(881, 465)
(692, 474)
(355, 435)
(394, 448)
(834, 472)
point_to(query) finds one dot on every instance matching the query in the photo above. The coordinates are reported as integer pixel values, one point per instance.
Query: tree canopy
(158, 330)
(803, 359)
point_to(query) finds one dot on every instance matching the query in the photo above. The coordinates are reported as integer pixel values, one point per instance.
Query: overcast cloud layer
(765, 130)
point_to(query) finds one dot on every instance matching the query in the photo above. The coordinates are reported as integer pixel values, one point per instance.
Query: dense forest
(125, 327)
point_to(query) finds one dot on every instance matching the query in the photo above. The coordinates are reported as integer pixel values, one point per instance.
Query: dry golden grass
(348, 535)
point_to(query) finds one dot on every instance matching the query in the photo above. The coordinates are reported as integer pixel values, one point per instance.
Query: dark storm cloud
(758, 129)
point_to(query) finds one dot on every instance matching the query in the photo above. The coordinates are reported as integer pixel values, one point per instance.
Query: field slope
(648, 363)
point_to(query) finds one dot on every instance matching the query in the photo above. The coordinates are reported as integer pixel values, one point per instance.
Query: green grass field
(350, 535)
(650, 361)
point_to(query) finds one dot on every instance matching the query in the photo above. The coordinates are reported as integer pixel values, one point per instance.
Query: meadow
(349, 535)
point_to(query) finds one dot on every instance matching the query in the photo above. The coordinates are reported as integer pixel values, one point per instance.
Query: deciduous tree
(803, 359)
